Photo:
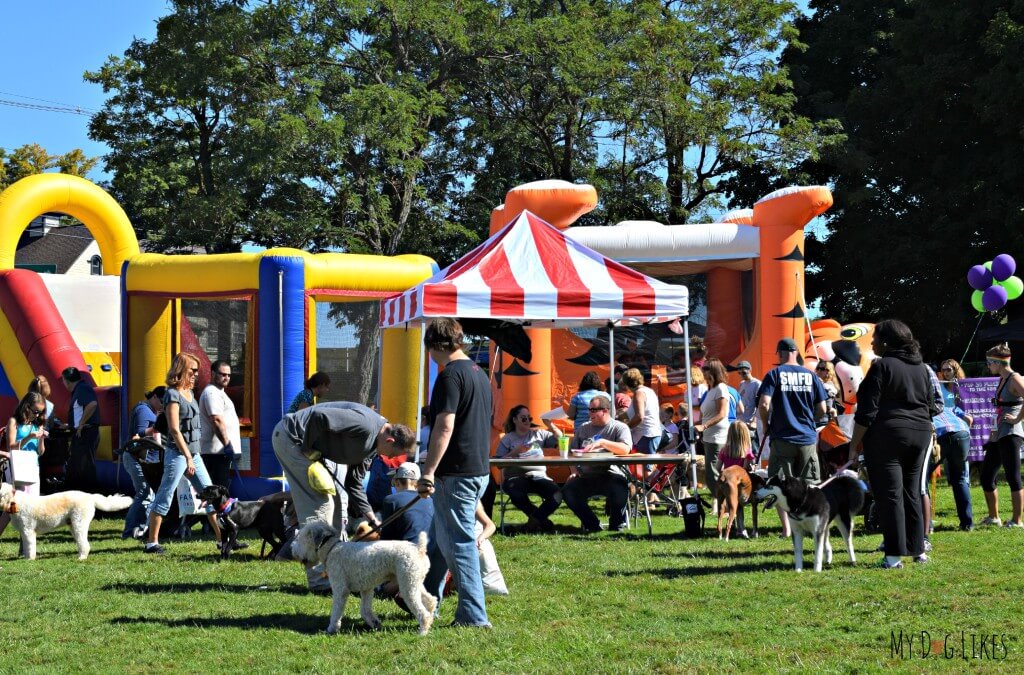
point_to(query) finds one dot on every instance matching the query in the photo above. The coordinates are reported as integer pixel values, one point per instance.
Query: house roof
(62, 246)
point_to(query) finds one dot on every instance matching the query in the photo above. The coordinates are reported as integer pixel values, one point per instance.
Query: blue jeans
(453, 546)
(955, 447)
(174, 469)
(143, 495)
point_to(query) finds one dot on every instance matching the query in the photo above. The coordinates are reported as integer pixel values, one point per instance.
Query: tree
(33, 158)
(930, 169)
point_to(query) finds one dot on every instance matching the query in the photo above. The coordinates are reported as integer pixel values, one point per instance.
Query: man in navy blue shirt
(84, 421)
(790, 399)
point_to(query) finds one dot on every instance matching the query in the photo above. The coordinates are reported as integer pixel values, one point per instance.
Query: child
(737, 450)
(669, 445)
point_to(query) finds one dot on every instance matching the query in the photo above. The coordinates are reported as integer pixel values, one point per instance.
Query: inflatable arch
(281, 287)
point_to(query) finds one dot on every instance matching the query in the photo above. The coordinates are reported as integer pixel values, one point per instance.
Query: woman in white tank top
(644, 421)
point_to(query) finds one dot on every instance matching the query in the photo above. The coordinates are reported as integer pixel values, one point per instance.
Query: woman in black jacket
(895, 406)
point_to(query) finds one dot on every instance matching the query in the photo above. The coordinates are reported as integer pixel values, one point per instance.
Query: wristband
(427, 481)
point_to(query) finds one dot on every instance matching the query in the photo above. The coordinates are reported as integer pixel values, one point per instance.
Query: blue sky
(46, 45)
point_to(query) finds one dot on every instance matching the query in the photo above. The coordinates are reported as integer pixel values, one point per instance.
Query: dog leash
(841, 469)
(387, 521)
(760, 448)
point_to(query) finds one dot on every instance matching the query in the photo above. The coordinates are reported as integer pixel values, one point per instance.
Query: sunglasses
(594, 410)
(224, 374)
(947, 369)
(194, 371)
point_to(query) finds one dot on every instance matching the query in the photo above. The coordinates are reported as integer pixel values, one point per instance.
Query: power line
(48, 108)
(46, 100)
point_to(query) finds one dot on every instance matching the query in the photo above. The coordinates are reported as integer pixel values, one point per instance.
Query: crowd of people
(902, 405)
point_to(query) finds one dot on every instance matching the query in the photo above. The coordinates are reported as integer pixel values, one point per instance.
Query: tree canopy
(928, 179)
(389, 127)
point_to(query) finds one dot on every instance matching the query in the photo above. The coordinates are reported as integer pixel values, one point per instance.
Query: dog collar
(228, 505)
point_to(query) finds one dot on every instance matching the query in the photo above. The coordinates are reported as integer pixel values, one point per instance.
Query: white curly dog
(359, 567)
(32, 515)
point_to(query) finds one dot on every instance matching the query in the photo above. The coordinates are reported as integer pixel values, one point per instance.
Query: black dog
(264, 514)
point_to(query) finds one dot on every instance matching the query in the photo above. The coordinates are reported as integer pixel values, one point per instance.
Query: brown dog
(733, 491)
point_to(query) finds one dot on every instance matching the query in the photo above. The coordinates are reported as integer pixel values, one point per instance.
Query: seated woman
(521, 440)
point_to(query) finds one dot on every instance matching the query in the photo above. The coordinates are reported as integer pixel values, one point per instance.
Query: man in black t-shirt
(456, 470)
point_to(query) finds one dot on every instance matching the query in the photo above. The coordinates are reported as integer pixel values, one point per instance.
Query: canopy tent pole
(421, 373)
(689, 407)
(611, 365)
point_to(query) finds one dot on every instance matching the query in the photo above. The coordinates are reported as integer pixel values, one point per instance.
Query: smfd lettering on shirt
(796, 382)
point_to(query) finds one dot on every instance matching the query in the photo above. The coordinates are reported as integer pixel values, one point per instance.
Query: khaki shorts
(794, 460)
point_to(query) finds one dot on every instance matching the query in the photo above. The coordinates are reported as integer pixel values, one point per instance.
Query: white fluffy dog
(359, 567)
(33, 515)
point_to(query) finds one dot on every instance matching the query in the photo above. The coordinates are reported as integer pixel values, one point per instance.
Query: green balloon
(1014, 287)
(976, 301)
(988, 265)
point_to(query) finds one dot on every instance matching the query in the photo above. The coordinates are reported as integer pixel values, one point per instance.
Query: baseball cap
(743, 364)
(406, 470)
(786, 345)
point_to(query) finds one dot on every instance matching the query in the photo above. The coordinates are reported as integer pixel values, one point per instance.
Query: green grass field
(605, 603)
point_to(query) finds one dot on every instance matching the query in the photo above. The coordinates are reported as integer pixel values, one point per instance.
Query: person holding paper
(26, 433)
(522, 440)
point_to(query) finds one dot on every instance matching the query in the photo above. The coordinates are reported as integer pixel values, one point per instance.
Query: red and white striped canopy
(529, 272)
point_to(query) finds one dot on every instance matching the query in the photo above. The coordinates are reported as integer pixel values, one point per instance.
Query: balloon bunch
(994, 284)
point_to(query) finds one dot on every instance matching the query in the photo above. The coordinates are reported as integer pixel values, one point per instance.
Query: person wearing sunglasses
(26, 432)
(1003, 448)
(524, 441)
(221, 435)
(181, 446)
(826, 372)
(602, 434)
(953, 430)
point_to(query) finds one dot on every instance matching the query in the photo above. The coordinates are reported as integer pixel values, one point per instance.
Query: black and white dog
(812, 510)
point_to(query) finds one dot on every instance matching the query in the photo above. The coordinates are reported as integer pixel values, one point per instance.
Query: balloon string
(976, 326)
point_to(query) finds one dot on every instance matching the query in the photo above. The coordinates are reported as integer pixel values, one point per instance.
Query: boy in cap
(417, 518)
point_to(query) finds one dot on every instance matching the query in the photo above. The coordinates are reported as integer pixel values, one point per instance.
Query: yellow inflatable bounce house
(137, 305)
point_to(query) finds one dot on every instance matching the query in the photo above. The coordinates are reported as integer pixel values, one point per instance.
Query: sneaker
(153, 548)
(1011, 524)
(996, 522)
(886, 565)
(967, 528)
(927, 546)
(923, 558)
(140, 532)
(459, 624)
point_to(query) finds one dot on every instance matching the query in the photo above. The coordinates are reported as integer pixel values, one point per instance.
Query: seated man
(518, 482)
(601, 433)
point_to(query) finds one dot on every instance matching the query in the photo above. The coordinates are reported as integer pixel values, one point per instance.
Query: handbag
(24, 467)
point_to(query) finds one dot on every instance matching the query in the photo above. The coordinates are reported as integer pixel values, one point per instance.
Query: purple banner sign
(976, 395)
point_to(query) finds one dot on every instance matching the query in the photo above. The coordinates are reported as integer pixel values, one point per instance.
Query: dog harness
(226, 508)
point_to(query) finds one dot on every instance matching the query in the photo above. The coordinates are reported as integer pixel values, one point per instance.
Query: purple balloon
(1003, 266)
(979, 277)
(994, 298)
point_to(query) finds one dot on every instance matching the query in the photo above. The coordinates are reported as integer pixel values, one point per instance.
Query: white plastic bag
(188, 500)
(494, 580)
(24, 467)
